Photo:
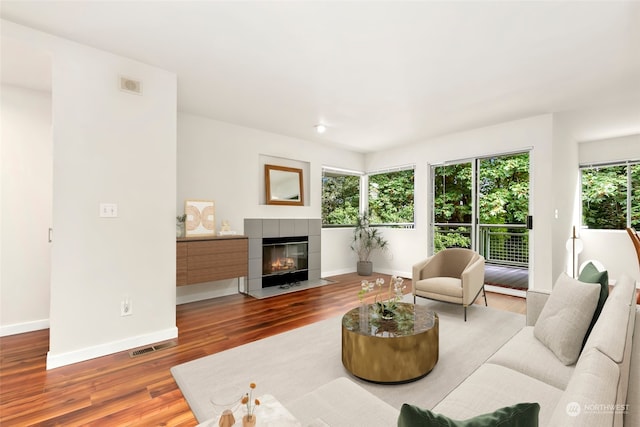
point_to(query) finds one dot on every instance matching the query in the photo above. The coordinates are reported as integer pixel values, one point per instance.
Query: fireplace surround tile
(255, 269)
(259, 228)
(314, 261)
(270, 228)
(255, 248)
(253, 228)
(315, 227)
(314, 244)
(301, 227)
(287, 228)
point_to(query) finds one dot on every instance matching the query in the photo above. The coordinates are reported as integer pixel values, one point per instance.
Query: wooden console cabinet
(205, 259)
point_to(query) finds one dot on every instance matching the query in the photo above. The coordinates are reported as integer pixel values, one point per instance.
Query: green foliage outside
(504, 189)
(391, 197)
(503, 198)
(604, 197)
(340, 199)
(452, 193)
(451, 238)
(452, 204)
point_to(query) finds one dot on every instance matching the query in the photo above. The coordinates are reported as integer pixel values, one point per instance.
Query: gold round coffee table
(390, 351)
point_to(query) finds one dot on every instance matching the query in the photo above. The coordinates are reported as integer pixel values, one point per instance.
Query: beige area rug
(298, 361)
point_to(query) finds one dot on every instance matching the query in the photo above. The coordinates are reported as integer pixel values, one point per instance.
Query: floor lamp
(575, 246)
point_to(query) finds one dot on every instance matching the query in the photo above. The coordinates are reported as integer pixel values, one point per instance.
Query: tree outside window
(391, 198)
(611, 196)
(340, 198)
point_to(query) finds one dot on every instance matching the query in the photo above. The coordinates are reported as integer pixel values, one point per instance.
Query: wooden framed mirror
(284, 185)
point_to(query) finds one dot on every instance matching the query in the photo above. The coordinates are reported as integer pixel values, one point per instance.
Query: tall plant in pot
(366, 240)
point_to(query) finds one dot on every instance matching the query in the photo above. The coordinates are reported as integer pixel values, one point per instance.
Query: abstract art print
(200, 218)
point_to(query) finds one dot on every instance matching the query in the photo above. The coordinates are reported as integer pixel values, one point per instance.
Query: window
(391, 195)
(340, 197)
(611, 195)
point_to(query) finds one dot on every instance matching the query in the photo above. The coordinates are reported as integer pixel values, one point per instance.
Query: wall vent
(130, 85)
(150, 349)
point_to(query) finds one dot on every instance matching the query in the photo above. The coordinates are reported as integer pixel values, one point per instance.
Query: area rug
(298, 361)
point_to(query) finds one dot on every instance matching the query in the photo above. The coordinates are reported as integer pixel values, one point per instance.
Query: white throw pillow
(566, 316)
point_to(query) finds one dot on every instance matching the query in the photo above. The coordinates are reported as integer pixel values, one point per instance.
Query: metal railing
(506, 244)
(503, 244)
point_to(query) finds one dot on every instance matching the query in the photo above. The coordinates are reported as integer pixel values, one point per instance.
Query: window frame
(627, 164)
(365, 195)
(344, 172)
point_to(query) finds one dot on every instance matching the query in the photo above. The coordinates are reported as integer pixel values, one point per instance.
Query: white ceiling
(378, 74)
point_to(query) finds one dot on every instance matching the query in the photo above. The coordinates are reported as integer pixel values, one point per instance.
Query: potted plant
(366, 241)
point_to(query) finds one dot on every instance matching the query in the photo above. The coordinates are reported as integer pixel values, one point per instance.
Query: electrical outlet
(126, 307)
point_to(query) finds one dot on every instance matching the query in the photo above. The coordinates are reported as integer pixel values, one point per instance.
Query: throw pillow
(565, 318)
(591, 274)
(520, 415)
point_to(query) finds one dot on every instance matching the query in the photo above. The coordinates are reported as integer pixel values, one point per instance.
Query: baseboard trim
(325, 274)
(21, 328)
(506, 291)
(63, 359)
(329, 274)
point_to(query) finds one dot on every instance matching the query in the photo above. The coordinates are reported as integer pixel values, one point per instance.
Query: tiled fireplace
(282, 251)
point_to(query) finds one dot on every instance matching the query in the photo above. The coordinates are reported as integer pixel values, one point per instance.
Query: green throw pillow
(590, 274)
(520, 415)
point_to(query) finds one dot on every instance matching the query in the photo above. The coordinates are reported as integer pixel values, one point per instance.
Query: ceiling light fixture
(320, 128)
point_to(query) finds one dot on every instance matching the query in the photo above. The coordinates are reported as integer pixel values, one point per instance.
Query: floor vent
(145, 350)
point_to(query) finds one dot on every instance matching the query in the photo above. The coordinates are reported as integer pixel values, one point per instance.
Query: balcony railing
(503, 244)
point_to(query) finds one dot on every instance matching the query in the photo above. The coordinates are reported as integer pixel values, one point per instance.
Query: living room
(136, 151)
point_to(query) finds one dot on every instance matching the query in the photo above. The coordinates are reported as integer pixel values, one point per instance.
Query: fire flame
(283, 264)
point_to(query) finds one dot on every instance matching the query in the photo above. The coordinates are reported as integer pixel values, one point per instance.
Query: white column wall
(109, 146)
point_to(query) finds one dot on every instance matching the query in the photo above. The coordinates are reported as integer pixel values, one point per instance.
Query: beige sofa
(601, 389)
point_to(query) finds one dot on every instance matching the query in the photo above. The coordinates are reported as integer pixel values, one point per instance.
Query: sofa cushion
(566, 316)
(632, 414)
(610, 332)
(519, 415)
(492, 387)
(525, 354)
(591, 274)
(590, 397)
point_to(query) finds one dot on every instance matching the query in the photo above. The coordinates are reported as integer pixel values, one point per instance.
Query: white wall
(409, 246)
(109, 146)
(224, 162)
(565, 190)
(610, 150)
(26, 209)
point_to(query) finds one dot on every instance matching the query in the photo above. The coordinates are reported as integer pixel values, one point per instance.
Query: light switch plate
(108, 210)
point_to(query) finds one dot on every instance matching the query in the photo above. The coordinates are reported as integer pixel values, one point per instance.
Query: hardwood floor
(120, 390)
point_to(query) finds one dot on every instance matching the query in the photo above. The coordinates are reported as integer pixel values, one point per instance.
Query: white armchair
(453, 275)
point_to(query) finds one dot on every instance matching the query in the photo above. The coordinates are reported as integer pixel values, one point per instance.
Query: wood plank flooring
(118, 390)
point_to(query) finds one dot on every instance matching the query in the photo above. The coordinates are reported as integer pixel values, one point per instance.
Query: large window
(611, 196)
(340, 197)
(391, 196)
